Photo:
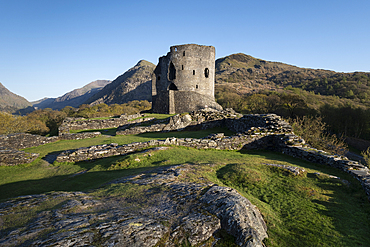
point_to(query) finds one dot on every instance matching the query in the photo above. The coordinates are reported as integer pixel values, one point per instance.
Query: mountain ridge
(73, 98)
(10, 101)
(134, 84)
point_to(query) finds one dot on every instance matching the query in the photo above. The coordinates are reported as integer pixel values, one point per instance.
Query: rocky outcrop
(178, 213)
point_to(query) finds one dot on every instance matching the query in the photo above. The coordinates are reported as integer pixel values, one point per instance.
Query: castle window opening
(159, 78)
(196, 86)
(183, 53)
(172, 87)
(182, 66)
(206, 72)
(172, 72)
(175, 48)
(193, 72)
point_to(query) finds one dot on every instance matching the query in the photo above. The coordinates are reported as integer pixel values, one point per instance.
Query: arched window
(171, 72)
(206, 72)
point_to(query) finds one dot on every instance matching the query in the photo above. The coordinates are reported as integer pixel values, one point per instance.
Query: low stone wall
(11, 157)
(90, 124)
(357, 170)
(196, 120)
(23, 140)
(11, 144)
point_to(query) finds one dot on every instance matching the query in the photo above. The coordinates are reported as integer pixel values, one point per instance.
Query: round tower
(192, 68)
(182, 77)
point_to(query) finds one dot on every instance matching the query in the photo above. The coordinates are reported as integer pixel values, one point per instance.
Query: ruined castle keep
(183, 80)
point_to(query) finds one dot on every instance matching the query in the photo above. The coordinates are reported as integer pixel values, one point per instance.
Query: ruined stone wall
(91, 124)
(264, 131)
(10, 146)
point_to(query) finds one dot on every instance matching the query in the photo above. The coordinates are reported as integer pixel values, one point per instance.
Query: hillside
(11, 102)
(73, 98)
(252, 74)
(135, 84)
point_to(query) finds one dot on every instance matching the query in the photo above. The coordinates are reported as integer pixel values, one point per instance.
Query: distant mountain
(11, 102)
(134, 84)
(73, 98)
(249, 74)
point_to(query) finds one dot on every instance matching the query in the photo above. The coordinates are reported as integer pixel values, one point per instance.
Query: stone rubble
(184, 212)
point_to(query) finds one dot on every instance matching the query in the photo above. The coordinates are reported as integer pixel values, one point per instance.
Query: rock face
(170, 212)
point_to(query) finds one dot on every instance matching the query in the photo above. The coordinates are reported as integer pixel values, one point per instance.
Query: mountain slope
(252, 74)
(73, 98)
(135, 84)
(11, 102)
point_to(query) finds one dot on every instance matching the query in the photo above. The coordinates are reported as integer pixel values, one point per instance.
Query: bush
(314, 132)
(10, 124)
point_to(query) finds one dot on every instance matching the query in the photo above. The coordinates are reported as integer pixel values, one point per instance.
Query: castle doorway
(172, 87)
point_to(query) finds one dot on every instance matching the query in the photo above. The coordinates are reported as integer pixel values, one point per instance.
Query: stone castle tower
(183, 80)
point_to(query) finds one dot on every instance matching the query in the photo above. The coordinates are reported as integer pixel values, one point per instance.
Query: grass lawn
(308, 210)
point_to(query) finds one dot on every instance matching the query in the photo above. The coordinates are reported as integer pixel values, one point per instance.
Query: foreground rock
(168, 212)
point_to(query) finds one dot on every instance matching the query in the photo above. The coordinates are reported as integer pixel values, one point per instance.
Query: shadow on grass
(71, 182)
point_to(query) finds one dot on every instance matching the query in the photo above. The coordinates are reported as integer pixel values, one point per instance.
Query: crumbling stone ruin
(209, 207)
(183, 80)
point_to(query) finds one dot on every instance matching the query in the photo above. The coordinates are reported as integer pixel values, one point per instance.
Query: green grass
(308, 210)
(109, 131)
(158, 116)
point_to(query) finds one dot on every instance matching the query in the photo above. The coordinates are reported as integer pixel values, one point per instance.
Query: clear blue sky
(50, 47)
